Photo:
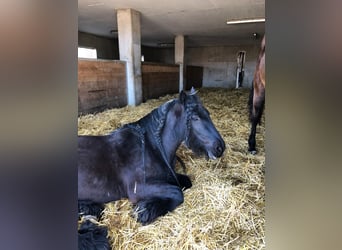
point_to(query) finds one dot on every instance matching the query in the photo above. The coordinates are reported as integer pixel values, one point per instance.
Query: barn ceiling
(202, 22)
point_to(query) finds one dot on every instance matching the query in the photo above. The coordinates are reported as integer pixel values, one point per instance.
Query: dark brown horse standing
(257, 97)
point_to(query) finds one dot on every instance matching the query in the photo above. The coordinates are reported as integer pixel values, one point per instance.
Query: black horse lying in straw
(137, 160)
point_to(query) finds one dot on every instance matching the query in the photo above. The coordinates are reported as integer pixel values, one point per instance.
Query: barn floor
(224, 209)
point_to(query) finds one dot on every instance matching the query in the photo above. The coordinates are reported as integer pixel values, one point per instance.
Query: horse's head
(201, 136)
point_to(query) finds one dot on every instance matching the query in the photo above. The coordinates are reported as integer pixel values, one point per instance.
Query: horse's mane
(151, 126)
(155, 121)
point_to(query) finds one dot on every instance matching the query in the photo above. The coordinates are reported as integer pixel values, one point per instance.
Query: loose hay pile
(224, 209)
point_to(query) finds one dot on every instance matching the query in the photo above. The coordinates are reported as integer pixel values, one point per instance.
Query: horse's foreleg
(159, 199)
(252, 118)
(251, 139)
(255, 117)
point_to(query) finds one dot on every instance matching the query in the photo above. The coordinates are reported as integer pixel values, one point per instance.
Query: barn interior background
(225, 207)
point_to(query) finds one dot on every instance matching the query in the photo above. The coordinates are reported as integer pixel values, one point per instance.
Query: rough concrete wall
(220, 64)
(106, 48)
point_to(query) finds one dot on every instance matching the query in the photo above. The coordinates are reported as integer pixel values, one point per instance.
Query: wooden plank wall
(101, 85)
(194, 77)
(159, 79)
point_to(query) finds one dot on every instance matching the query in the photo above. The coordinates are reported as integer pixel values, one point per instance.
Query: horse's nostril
(218, 148)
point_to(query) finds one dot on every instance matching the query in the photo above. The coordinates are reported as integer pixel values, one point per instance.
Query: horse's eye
(195, 118)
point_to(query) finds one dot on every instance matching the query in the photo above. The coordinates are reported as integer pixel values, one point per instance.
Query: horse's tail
(261, 109)
(92, 236)
(86, 208)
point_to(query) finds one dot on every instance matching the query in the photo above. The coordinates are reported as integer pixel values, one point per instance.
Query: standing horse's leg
(159, 199)
(256, 105)
(251, 139)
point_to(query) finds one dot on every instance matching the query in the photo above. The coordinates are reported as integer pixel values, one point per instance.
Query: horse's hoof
(149, 210)
(253, 152)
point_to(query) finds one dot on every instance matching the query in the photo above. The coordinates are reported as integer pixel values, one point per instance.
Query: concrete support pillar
(130, 51)
(181, 77)
(179, 59)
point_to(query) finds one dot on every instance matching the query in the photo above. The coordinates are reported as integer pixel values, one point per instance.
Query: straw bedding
(224, 209)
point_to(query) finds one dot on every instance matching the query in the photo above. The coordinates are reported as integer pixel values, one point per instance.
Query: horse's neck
(173, 134)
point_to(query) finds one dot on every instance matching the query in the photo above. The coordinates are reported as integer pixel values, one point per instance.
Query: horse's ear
(193, 91)
(182, 96)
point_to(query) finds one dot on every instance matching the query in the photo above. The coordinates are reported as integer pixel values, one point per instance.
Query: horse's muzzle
(217, 149)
